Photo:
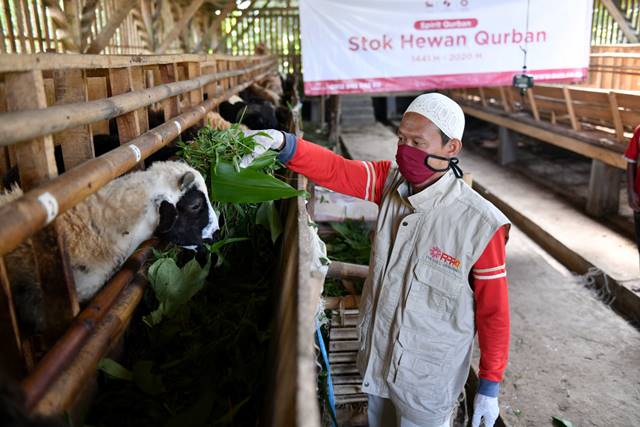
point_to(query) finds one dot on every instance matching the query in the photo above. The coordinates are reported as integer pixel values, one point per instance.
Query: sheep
(168, 200)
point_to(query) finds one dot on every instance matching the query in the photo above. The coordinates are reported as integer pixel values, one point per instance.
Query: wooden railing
(62, 100)
(601, 118)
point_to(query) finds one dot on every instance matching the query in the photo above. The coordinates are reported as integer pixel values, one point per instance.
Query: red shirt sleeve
(631, 154)
(364, 180)
(489, 277)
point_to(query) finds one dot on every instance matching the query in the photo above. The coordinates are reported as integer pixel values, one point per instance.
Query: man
(437, 269)
(633, 180)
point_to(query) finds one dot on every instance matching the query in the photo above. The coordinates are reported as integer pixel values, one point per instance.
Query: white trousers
(382, 413)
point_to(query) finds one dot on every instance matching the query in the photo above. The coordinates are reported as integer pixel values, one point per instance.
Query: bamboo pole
(25, 216)
(345, 270)
(60, 396)
(36, 15)
(25, 125)
(70, 344)
(87, 18)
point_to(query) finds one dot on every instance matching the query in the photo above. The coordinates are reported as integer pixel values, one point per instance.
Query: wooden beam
(539, 131)
(87, 19)
(63, 29)
(628, 31)
(180, 25)
(123, 7)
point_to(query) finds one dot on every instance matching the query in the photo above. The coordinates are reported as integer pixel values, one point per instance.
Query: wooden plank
(97, 89)
(343, 369)
(344, 334)
(572, 115)
(76, 143)
(11, 358)
(121, 81)
(606, 155)
(615, 114)
(344, 345)
(37, 165)
(351, 399)
(346, 389)
(483, 100)
(343, 357)
(52, 61)
(347, 379)
(137, 83)
(169, 74)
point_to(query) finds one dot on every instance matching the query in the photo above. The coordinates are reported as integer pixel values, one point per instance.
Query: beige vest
(417, 312)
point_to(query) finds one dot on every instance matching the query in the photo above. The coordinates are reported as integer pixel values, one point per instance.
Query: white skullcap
(443, 111)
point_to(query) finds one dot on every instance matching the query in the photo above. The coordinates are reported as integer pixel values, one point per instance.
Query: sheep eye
(195, 206)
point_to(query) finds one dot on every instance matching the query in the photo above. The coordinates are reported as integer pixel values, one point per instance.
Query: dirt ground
(571, 356)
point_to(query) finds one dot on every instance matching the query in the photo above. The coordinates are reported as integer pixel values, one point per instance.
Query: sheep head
(186, 217)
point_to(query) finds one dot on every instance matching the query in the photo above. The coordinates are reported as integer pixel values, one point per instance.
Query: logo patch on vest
(444, 258)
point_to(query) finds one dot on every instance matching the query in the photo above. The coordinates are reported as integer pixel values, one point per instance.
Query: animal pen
(69, 73)
(151, 75)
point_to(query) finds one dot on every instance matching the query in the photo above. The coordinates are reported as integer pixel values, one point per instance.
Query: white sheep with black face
(168, 200)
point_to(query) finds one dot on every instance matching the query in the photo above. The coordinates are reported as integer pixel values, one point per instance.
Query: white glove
(487, 408)
(269, 139)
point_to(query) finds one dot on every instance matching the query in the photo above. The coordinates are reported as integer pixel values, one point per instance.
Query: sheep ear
(168, 216)
(186, 180)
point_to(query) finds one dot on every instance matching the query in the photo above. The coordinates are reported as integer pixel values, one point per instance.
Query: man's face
(417, 131)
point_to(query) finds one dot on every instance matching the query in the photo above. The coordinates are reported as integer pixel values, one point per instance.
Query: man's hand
(634, 203)
(485, 408)
(265, 140)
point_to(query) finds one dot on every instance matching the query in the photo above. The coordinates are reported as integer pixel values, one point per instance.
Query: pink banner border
(443, 81)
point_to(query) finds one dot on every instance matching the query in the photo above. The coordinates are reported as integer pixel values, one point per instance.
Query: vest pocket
(432, 293)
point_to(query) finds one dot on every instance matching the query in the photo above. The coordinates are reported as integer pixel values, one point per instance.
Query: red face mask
(414, 165)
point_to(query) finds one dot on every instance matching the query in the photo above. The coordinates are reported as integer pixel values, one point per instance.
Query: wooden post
(604, 189)
(97, 89)
(334, 119)
(195, 97)
(137, 83)
(505, 101)
(534, 106)
(572, 114)
(615, 114)
(77, 144)
(121, 81)
(507, 146)
(482, 97)
(37, 165)
(169, 74)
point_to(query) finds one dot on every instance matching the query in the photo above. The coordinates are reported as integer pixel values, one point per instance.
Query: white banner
(361, 46)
